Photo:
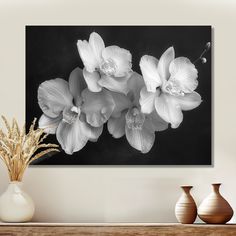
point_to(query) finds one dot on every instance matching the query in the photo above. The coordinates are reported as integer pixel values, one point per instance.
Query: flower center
(70, 114)
(135, 118)
(173, 87)
(108, 67)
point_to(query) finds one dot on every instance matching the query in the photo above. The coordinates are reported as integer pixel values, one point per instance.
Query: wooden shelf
(115, 229)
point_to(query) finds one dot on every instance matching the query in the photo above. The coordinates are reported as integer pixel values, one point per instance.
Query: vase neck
(15, 186)
(216, 187)
(186, 189)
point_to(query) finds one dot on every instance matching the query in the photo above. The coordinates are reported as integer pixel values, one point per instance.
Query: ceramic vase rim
(216, 184)
(15, 182)
(186, 186)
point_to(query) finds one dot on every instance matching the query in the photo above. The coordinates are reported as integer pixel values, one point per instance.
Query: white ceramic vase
(15, 204)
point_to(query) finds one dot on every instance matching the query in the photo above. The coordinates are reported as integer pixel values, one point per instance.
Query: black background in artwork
(51, 52)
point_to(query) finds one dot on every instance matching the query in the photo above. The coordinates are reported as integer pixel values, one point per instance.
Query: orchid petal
(49, 124)
(157, 122)
(121, 103)
(97, 44)
(53, 96)
(87, 55)
(121, 57)
(94, 132)
(141, 139)
(148, 66)
(114, 84)
(72, 137)
(98, 107)
(116, 126)
(185, 73)
(92, 80)
(169, 110)
(135, 84)
(147, 100)
(164, 63)
(189, 101)
(76, 84)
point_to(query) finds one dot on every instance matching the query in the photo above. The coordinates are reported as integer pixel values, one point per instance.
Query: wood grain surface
(44, 229)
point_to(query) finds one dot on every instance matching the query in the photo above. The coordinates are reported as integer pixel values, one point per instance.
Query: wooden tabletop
(116, 229)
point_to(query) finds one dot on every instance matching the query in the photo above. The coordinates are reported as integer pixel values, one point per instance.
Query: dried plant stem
(18, 148)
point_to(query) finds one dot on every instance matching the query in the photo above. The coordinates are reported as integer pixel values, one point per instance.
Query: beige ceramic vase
(15, 204)
(215, 209)
(185, 208)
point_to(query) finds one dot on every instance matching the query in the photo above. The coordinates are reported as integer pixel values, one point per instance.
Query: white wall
(122, 194)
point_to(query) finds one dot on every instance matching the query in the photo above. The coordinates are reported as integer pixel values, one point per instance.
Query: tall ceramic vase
(15, 204)
(185, 208)
(215, 209)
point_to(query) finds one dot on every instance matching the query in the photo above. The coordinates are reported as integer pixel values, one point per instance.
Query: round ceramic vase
(185, 208)
(215, 209)
(15, 204)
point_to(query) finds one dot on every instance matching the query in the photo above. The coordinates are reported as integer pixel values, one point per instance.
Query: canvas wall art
(121, 95)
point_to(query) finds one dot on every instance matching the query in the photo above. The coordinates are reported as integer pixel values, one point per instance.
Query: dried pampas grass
(18, 148)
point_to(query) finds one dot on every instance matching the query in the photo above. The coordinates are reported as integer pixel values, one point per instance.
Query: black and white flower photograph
(121, 95)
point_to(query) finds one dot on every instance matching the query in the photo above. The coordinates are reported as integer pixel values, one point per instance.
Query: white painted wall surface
(122, 194)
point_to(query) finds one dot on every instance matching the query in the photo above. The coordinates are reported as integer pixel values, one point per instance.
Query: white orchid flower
(138, 127)
(61, 103)
(108, 67)
(98, 107)
(170, 84)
